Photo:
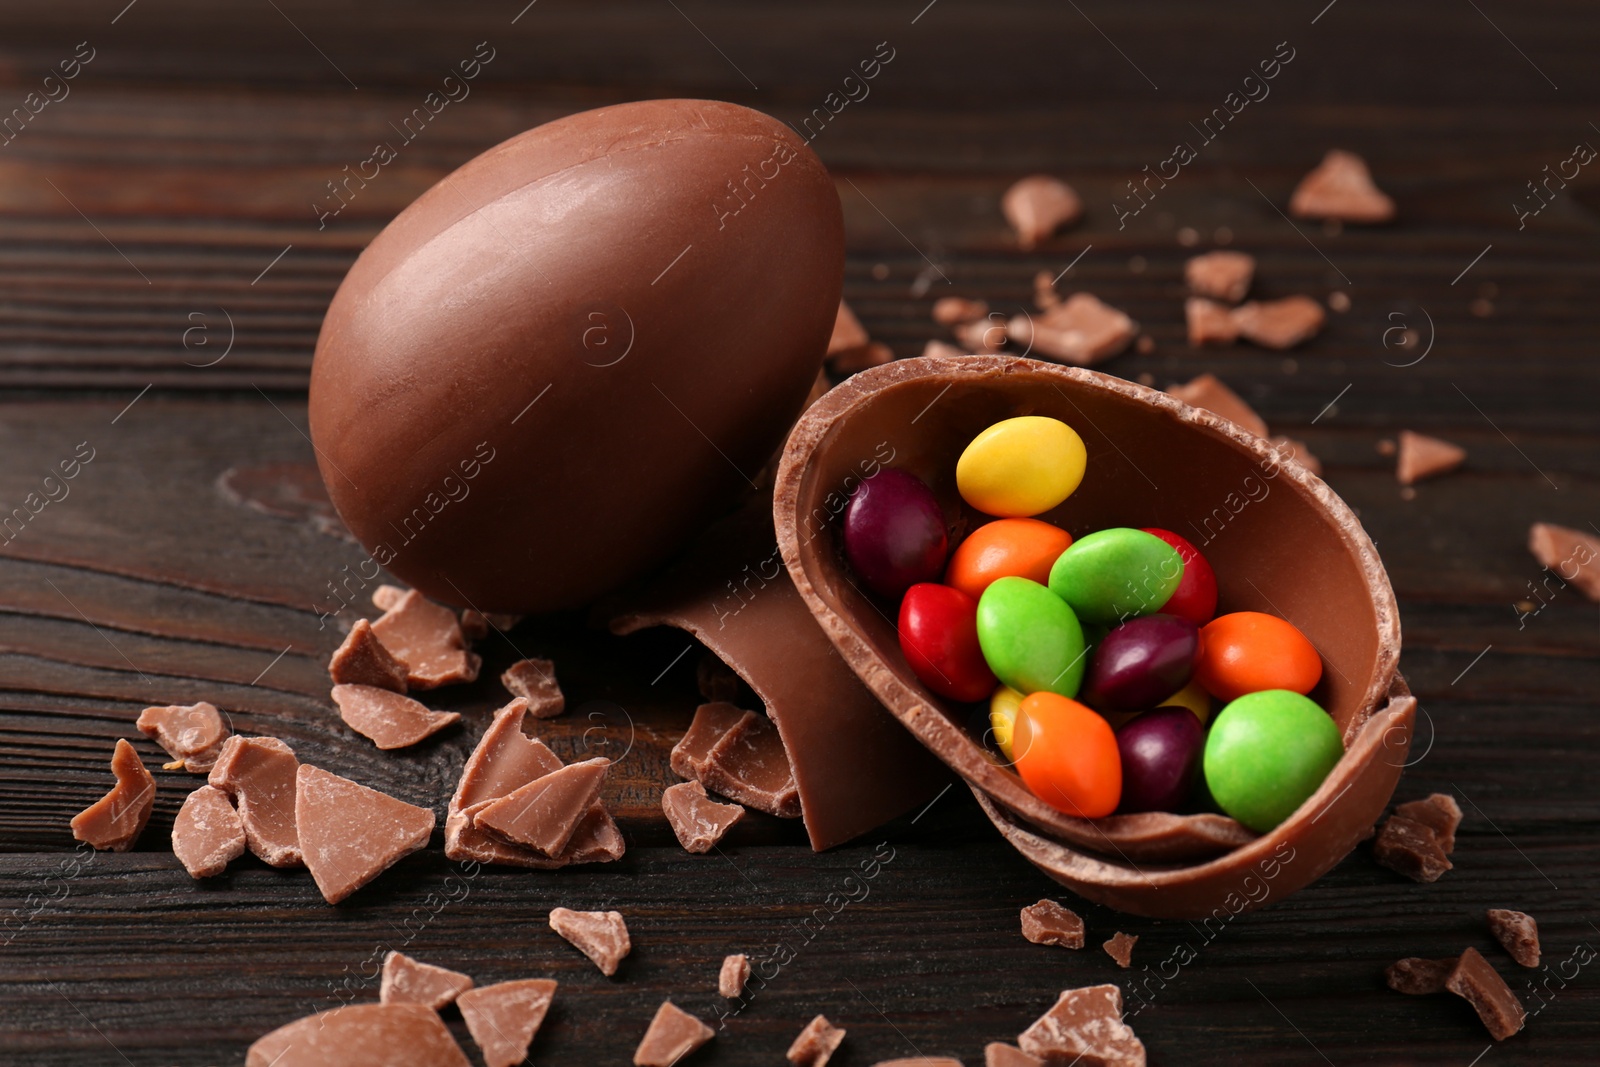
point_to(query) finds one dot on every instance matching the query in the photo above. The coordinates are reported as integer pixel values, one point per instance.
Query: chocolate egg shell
(570, 354)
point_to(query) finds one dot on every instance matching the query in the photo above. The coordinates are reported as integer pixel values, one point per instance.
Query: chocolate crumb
(1517, 931)
(999, 1054)
(1437, 811)
(600, 935)
(1339, 301)
(698, 821)
(1120, 948)
(1422, 457)
(1222, 276)
(1188, 236)
(816, 1044)
(1208, 393)
(954, 310)
(1474, 979)
(544, 813)
(1279, 323)
(1048, 923)
(1572, 554)
(749, 765)
(535, 681)
(1045, 296)
(1416, 976)
(363, 660)
(427, 638)
(192, 734)
(360, 1034)
(1410, 848)
(1085, 1023)
(1481, 308)
(207, 834)
(1038, 206)
(734, 974)
(408, 981)
(1144, 344)
(349, 834)
(1385, 447)
(672, 1035)
(390, 720)
(503, 1018)
(259, 773)
(1209, 322)
(1407, 493)
(1340, 189)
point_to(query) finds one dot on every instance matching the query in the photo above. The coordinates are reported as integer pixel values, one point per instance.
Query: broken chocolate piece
(1416, 976)
(1341, 187)
(1208, 393)
(1517, 931)
(1422, 457)
(1081, 331)
(984, 335)
(954, 310)
(872, 354)
(115, 821)
(360, 1035)
(1474, 979)
(350, 834)
(1120, 948)
(999, 1054)
(503, 1018)
(1048, 923)
(920, 1061)
(427, 638)
(672, 1035)
(600, 935)
(207, 834)
(192, 734)
(1410, 848)
(1279, 323)
(1085, 1023)
(816, 1044)
(734, 974)
(710, 724)
(1209, 322)
(941, 348)
(544, 813)
(848, 333)
(1573, 555)
(698, 821)
(363, 660)
(749, 765)
(474, 625)
(1045, 296)
(385, 597)
(408, 981)
(1290, 449)
(1437, 811)
(391, 720)
(259, 773)
(1038, 206)
(1220, 275)
(535, 681)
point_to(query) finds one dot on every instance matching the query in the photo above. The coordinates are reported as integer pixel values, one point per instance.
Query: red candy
(939, 636)
(1195, 598)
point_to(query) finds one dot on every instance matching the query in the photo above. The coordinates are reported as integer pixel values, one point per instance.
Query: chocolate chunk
(1208, 393)
(999, 1054)
(1340, 187)
(391, 720)
(350, 834)
(427, 638)
(259, 773)
(1573, 555)
(749, 765)
(600, 935)
(474, 625)
(1085, 1023)
(1120, 948)
(535, 681)
(1045, 296)
(361, 1035)
(1290, 449)
(710, 724)
(1038, 206)
(504, 1017)
(544, 813)
(1437, 811)
(115, 821)
(385, 597)
(984, 335)
(1417, 976)
(1410, 848)
(698, 821)
(954, 310)
(941, 348)
(1279, 323)
(408, 981)
(1422, 457)
(816, 1044)
(207, 835)
(848, 333)
(1474, 979)
(1220, 275)
(734, 974)
(1144, 344)
(1081, 331)
(192, 734)
(363, 660)
(873, 354)
(673, 1034)
(1518, 932)
(1048, 923)
(1209, 322)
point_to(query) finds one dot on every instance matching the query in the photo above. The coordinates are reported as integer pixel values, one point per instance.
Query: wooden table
(164, 276)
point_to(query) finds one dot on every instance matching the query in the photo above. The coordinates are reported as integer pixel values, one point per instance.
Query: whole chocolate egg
(576, 350)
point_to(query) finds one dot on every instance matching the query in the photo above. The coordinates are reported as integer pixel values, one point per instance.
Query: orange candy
(1248, 651)
(1005, 548)
(1067, 755)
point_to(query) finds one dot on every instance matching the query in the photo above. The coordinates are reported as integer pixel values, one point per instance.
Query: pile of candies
(1100, 656)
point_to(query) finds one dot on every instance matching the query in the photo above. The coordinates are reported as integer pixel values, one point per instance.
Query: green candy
(1117, 574)
(1030, 638)
(1267, 752)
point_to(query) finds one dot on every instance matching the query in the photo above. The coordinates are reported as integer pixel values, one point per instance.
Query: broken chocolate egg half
(1278, 538)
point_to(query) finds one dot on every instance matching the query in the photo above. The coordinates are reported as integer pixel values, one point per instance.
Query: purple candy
(1160, 752)
(894, 534)
(1141, 663)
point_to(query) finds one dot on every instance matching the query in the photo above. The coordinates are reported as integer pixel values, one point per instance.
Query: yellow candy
(1021, 467)
(1194, 698)
(1003, 707)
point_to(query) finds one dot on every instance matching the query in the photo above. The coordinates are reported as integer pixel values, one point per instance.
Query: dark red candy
(894, 533)
(939, 636)
(1195, 598)
(1161, 752)
(1141, 663)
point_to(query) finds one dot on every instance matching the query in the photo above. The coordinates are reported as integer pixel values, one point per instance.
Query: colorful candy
(1116, 574)
(1194, 697)
(1161, 752)
(1019, 548)
(1003, 706)
(939, 636)
(894, 533)
(1067, 755)
(1267, 752)
(1141, 663)
(1022, 466)
(1248, 651)
(1030, 638)
(1195, 598)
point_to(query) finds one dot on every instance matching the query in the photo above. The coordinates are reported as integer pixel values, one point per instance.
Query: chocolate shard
(1279, 323)
(544, 813)
(427, 638)
(999, 1054)
(1085, 1023)
(1481, 985)
(749, 765)
(192, 734)
(734, 974)
(1422, 457)
(115, 821)
(1038, 206)
(672, 1035)
(1290, 449)
(361, 1035)
(954, 310)
(875, 354)
(474, 625)
(207, 835)
(1437, 811)
(1209, 393)
(350, 834)
(941, 348)
(1120, 948)
(710, 724)
(535, 681)
(503, 1018)
(984, 335)
(409, 981)
(1517, 932)
(259, 773)
(848, 333)
(1341, 187)
(1410, 848)
(816, 1044)
(1209, 322)
(385, 597)
(1573, 555)
(1080, 331)
(1220, 275)
(600, 935)
(1048, 923)
(1045, 296)
(363, 660)
(389, 719)
(920, 1061)
(698, 821)
(1416, 976)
